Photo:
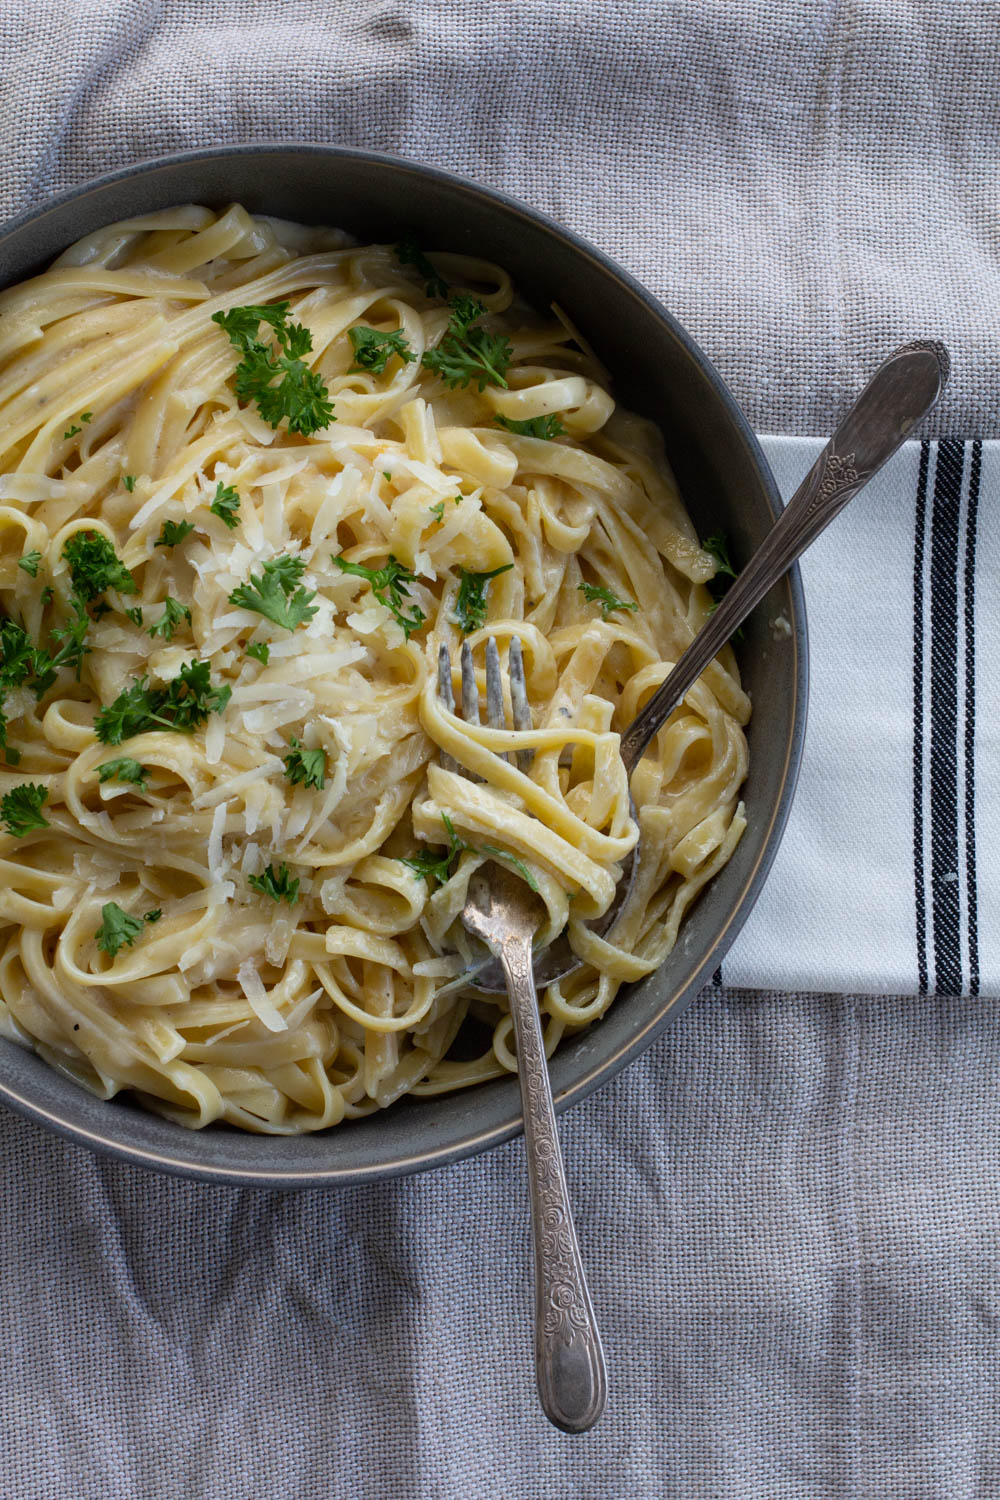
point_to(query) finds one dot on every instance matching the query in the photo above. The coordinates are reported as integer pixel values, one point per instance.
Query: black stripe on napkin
(972, 894)
(920, 526)
(944, 681)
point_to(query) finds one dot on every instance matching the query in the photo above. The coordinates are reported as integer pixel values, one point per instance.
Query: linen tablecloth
(789, 1205)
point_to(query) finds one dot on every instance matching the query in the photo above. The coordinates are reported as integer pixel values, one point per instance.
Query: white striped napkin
(887, 880)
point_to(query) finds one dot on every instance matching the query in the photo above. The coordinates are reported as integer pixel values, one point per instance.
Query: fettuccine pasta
(252, 476)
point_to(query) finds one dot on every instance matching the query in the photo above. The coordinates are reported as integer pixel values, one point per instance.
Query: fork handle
(569, 1360)
(902, 391)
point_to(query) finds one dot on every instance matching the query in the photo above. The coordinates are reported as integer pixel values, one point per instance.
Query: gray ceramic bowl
(656, 370)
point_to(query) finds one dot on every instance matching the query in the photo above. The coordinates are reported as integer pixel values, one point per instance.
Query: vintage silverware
(505, 914)
(902, 391)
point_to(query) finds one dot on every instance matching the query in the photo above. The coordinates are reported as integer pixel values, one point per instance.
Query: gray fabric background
(789, 1205)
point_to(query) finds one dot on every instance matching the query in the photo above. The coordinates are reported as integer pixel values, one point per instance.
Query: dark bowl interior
(657, 371)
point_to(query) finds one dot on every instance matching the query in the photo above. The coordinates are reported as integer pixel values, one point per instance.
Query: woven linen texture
(788, 1206)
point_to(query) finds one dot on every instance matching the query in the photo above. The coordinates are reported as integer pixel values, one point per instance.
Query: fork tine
(519, 699)
(470, 695)
(470, 692)
(447, 762)
(495, 715)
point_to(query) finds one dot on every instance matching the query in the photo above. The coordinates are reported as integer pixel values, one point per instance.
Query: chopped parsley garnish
(119, 929)
(261, 650)
(181, 706)
(226, 504)
(95, 566)
(276, 883)
(29, 563)
(74, 648)
(437, 511)
(46, 596)
(434, 867)
(718, 546)
(409, 253)
(21, 808)
(72, 431)
(373, 350)
(173, 614)
(389, 585)
(470, 606)
(537, 427)
(269, 593)
(467, 353)
(512, 859)
(300, 395)
(173, 532)
(19, 659)
(128, 480)
(720, 584)
(122, 769)
(306, 766)
(596, 593)
(386, 474)
(135, 615)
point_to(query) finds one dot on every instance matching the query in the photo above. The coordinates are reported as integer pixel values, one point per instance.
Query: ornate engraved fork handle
(902, 390)
(569, 1360)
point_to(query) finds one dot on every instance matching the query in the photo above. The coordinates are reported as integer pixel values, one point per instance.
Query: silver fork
(504, 912)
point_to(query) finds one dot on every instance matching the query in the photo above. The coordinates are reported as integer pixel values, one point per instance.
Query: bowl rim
(595, 1074)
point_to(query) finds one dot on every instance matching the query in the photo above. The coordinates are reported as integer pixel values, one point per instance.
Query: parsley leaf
(276, 883)
(306, 766)
(512, 859)
(131, 713)
(226, 504)
(122, 769)
(373, 350)
(596, 593)
(21, 662)
(153, 916)
(261, 650)
(182, 705)
(718, 546)
(269, 593)
(437, 511)
(173, 532)
(470, 606)
(135, 615)
(95, 566)
(21, 808)
(468, 353)
(389, 585)
(128, 480)
(118, 929)
(409, 253)
(72, 431)
(434, 867)
(537, 427)
(71, 653)
(29, 563)
(173, 614)
(721, 583)
(301, 396)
